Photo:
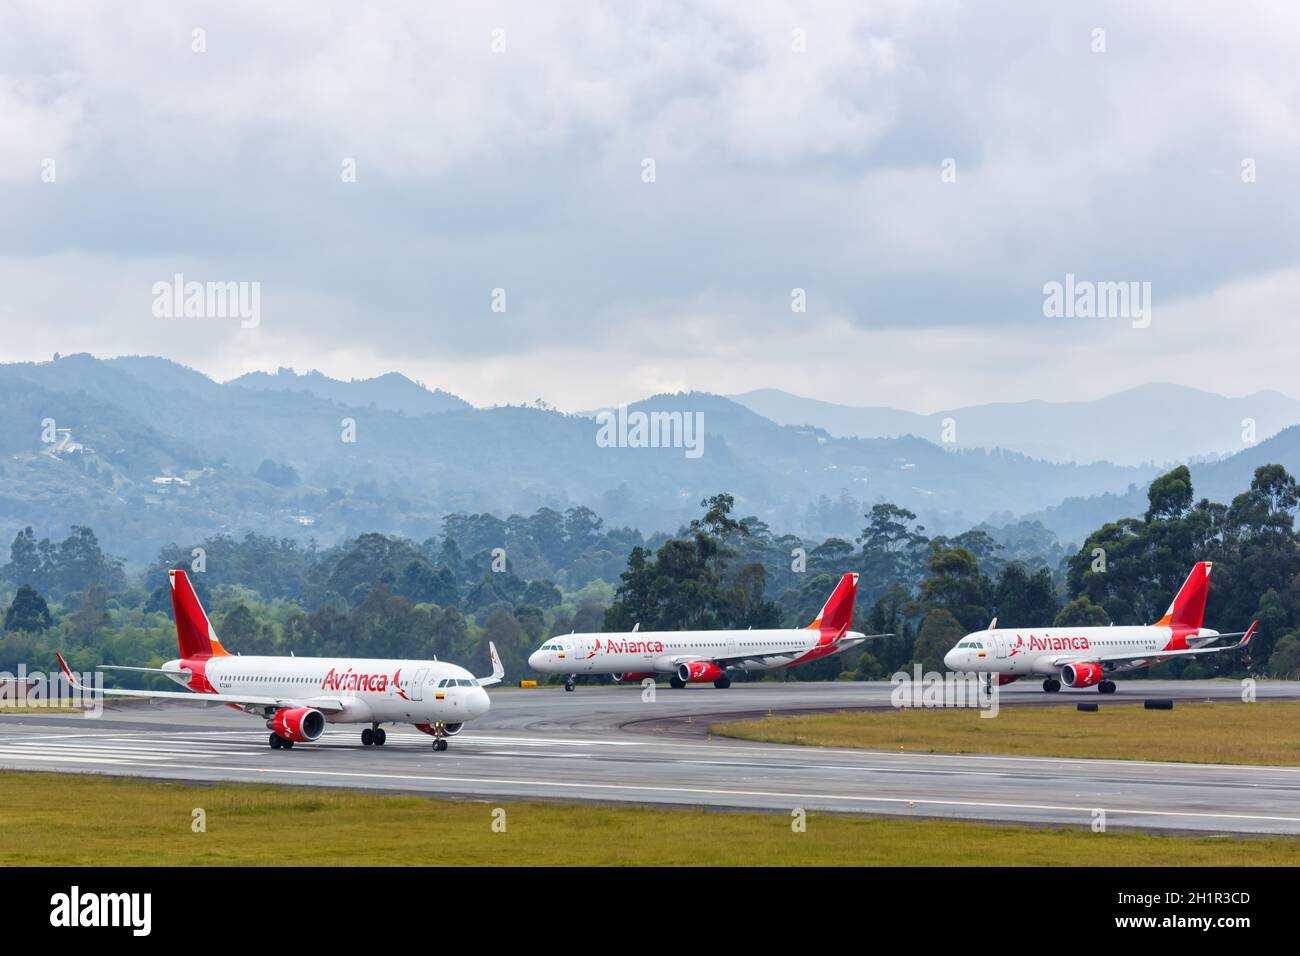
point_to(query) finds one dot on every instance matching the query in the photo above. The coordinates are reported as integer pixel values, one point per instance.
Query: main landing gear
(1106, 687)
(677, 682)
(722, 683)
(1051, 685)
(280, 743)
(373, 736)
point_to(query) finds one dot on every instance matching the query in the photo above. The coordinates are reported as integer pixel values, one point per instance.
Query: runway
(609, 745)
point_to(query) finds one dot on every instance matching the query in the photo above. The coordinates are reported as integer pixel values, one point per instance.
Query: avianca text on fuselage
(692, 657)
(347, 680)
(1085, 656)
(298, 696)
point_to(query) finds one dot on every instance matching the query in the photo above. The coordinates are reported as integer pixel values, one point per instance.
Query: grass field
(1258, 733)
(50, 819)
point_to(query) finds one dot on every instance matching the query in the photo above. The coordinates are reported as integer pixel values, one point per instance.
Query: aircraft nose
(479, 703)
(950, 660)
(535, 660)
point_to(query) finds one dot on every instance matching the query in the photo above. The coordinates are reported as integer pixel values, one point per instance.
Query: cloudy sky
(921, 170)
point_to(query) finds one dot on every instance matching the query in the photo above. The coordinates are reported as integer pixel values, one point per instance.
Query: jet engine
(698, 671)
(302, 724)
(1081, 675)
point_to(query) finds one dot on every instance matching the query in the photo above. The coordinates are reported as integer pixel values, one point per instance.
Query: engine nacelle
(631, 676)
(301, 725)
(440, 729)
(698, 671)
(1081, 675)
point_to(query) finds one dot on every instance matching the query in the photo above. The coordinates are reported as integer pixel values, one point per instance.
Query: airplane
(692, 657)
(1083, 656)
(298, 696)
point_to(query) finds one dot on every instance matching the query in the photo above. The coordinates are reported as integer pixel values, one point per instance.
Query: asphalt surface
(609, 745)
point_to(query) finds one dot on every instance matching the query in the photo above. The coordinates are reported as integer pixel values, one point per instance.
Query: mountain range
(148, 452)
(1155, 423)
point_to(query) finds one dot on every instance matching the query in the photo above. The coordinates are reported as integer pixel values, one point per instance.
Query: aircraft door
(417, 684)
(1000, 645)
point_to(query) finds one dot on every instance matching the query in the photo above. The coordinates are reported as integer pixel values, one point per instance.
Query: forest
(521, 579)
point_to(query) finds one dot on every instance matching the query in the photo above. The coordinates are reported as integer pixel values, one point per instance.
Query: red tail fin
(194, 632)
(1188, 607)
(838, 609)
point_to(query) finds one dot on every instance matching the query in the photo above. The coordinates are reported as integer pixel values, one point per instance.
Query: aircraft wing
(762, 655)
(329, 705)
(143, 670)
(1161, 655)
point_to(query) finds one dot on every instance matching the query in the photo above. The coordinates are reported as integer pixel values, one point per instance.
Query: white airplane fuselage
(370, 690)
(1043, 651)
(661, 652)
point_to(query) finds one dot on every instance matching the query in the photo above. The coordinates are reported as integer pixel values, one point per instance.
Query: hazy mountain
(1220, 481)
(392, 391)
(1150, 423)
(156, 453)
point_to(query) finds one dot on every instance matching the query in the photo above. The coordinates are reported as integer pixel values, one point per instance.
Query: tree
(91, 616)
(28, 612)
(939, 632)
(1081, 613)
(1024, 600)
(239, 630)
(511, 640)
(956, 584)
(717, 520)
(1285, 660)
(1170, 495)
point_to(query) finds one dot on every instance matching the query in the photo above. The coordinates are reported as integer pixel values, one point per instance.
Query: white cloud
(776, 169)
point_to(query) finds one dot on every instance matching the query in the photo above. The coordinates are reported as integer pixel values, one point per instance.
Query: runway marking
(121, 743)
(709, 791)
(730, 749)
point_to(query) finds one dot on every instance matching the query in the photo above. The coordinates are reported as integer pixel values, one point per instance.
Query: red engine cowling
(441, 729)
(302, 724)
(631, 676)
(1081, 675)
(698, 671)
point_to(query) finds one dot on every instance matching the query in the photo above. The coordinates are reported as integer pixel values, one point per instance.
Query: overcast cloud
(775, 169)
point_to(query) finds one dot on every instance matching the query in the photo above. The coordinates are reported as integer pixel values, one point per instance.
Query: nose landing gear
(438, 731)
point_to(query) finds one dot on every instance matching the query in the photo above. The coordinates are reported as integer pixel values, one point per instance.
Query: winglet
(1250, 632)
(67, 672)
(498, 671)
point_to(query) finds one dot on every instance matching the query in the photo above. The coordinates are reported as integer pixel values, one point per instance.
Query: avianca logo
(378, 683)
(1058, 643)
(632, 647)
